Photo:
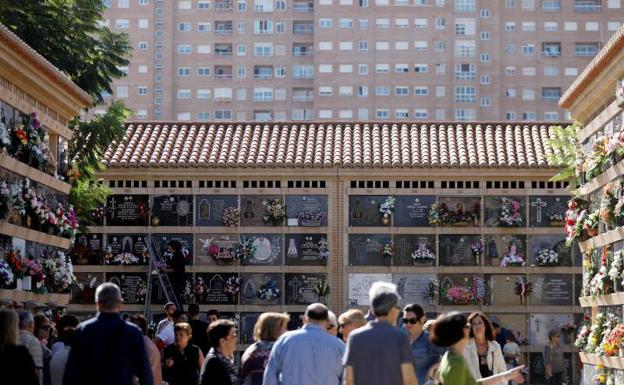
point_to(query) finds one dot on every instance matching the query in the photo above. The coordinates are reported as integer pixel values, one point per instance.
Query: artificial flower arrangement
(231, 217)
(188, 294)
(609, 325)
(608, 202)
(269, 291)
(613, 344)
(59, 272)
(141, 291)
(224, 254)
(30, 145)
(557, 217)
(567, 328)
(323, 248)
(275, 212)
(583, 334)
(321, 287)
(615, 146)
(200, 289)
(422, 253)
(510, 214)
(14, 260)
(98, 214)
(598, 157)
(595, 334)
(523, 287)
(5, 199)
(575, 219)
(441, 215)
(432, 291)
(5, 140)
(125, 258)
(6, 274)
(590, 226)
(387, 251)
(546, 257)
(601, 377)
(232, 286)
(246, 248)
(34, 269)
(512, 259)
(618, 209)
(473, 293)
(616, 270)
(476, 248)
(599, 282)
(311, 219)
(589, 272)
(387, 209)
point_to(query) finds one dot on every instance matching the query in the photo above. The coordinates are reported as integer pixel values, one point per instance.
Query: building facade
(392, 60)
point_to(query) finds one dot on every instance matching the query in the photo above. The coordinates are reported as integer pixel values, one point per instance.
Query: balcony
(223, 72)
(587, 6)
(551, 6)
(303, 28)
(223, 50)
(223, 6)
(263, 73)
(302, 50)
(551, 49)
(303, 6)
(222, 32)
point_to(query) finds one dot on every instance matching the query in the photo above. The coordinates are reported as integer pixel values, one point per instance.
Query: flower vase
(322, 298)
(495, 262)
(18, 284)
(26, 283)
(385, 220)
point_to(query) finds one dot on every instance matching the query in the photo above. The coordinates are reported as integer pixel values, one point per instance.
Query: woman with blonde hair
(266, 331)
(16, 364)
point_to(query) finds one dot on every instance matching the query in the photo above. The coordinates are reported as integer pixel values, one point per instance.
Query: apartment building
(335, 60)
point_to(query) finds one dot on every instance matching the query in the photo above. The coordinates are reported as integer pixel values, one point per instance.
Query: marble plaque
(541, 324)
(247, 323)
(414, 250)
(413, 210)
(127, 210)
(552, 289)
(83, 292)
(364, 210)
(125, 249)
(253, 209)
(548, 211)
(359, 284)
(460, 211)
(216, 288)
(306, 210)
(216, 249)
(455, 250)
(412, 287)
(210, 209)
(306, 249)
(254, 285)
(503, 290)
(88, 249)
(505, 211)
(304, 289)
(500, 245)
(460, 289)
(172, 210)
(133, 286)
(158, 294)
(550, 242)
(267, 249)
(367, 250)
(161, 242)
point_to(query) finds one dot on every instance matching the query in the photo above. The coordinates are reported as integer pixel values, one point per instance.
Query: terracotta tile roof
(326, 145)
(604, 57)
(31, 56)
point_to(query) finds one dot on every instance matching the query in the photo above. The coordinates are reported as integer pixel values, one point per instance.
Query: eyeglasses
(343, 324)
(467, 326)
(331, 326)
(411, 321)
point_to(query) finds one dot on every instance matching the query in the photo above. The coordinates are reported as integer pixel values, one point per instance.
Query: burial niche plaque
(303, 289)
(172, 210)
(261, 289)
(217, 249)
(159, 297)
(413, 210)
(505, 211)
(549, 250)
(541, 324)
(306, 210)
(264, 249)
(552, 289)
(127, 210)
(306, 249)
(163, 241)
(83, 292)
(88, 249)
(133, 286)
(548, 211)
(359, 284)
(364, 210)
(412, 287)
(414, 250)
(125, 249)
(367, 250)
(217, 288)
(254, 209)
(210, 209)
(457, 250)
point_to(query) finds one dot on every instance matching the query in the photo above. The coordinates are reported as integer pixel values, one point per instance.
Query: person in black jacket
(107, 350)
(16, 364)
(183, 360)
(177, 267)
(219, 366)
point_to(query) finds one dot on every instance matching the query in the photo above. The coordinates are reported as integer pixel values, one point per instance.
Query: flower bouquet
(596, 333)
(311, 219)
(189, 296)
(323, 248)
(567, 327)
(269, 291)
(5, 199)
(34, 270)
(98, 214)
(510, 214)
(581, 338)
(574, 220)
(387, 251)
(14, 260)
(523, 289)
(275, 212)
(231, 217)
(141, 291)
(232, 286)
(512, 260)
(472, 293)
(246, 248)
(557, 218)
(59, 272)
(616, 270)
(608, 202)
(422, 253)
(477, 249)
(546, 257)
(321, 287)
(613, 345)
(432, 291)
(436, 214)
(590, 226)
(386, 209)
(6, 275)
(200, 289)
(126, 258)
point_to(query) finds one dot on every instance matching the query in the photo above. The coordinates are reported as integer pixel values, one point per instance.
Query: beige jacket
(495, 359)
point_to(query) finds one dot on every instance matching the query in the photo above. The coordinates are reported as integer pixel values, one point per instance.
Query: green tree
(568, 154)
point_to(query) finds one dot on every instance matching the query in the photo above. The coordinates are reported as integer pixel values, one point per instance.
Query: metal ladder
(155, 260)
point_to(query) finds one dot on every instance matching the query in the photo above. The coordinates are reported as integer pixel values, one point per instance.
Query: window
(142, 90)
(440, 23)
(203, 94)
(141, 114)
(401, 91)
(362, 69)
(401, 68)
(345, 114)
(401, 23)
(421, 91)
(382, 90)
(263, 49)
(184, 93)
(551, 49)
(485, 13)
(528, 5)
(122, 23)
(263, 94)
(203, 116)
(382, 45)
(241, 72)
(203, 49)
(421, 68)
(586, 49)
(551, 93)
(421, 23)
(203, 4)
(465, 94)
(184, 49)
(363, 91)
(223, 115)
(529, 116)
(465, 26)
(303, 71)
(613, 4)
(418, 46)
(143, 45)
(203, 71)
(613, 25)
(465, 114)
(510, 71)
(465, 5)
(345, 23)
(485, 35)
(440, 113)
(280, 5)
(325, 45)
(142, 69)
(510, 115)
(363, 23)
(465, 71)
(528, 49)
(440, 91)
(485, 101)
(280, 72)
(123, 3)
(570, 71)
(583, 6)
(421, 113)
(465, 48)
(184, 27)
(263, 27)
(440, 45)
(528, 94)
(401, 113)
(241, 5)
(363, 3)
(592, 26)
(510, 92)
(325, 68)
(528, 26)
(440, 69)
(345, 68)
(551, 71)
(382, 23)
(345, 91)
(143, 23)
(241, 94)
(325, 23)
(203, 27)
(551, 26)
(185, 4)
(486, 80)
(551, 5)
(485, 57)
(382, 113)
(363, 45)
(382, 68)
(325, 91)
(510, 48)
(510, 26)
(184, 71)
(325, 114)
(551, 115)
(241, 49)
(570, 26)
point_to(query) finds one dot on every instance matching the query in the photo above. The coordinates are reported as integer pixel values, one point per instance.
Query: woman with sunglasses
(483, 354)
(425, 355)
(452, 331)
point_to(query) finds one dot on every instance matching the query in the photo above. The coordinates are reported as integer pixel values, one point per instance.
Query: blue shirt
(424, 356)
(308, 356)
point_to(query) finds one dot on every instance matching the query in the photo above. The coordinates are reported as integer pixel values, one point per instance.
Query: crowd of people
(389, 345)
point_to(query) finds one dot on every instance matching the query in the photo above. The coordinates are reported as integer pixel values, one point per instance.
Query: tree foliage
(87, 195)
(569, 153)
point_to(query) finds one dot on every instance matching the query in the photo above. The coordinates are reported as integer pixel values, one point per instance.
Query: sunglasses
(331, 326)
(467, 326)
(342, 325)
(411, 321)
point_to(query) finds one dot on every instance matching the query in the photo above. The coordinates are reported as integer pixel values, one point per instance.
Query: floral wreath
(246, 248)
(231, 217)
(387, 207)
(232, 286)
(269, 291)
(275, 212)
(510, 214)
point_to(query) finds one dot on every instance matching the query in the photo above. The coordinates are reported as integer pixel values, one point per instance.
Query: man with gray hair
(307, 356)
(392, 363)
(106, 349)
(30, 342)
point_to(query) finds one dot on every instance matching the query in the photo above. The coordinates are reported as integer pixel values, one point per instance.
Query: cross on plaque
(295, 283)
(538, 204)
